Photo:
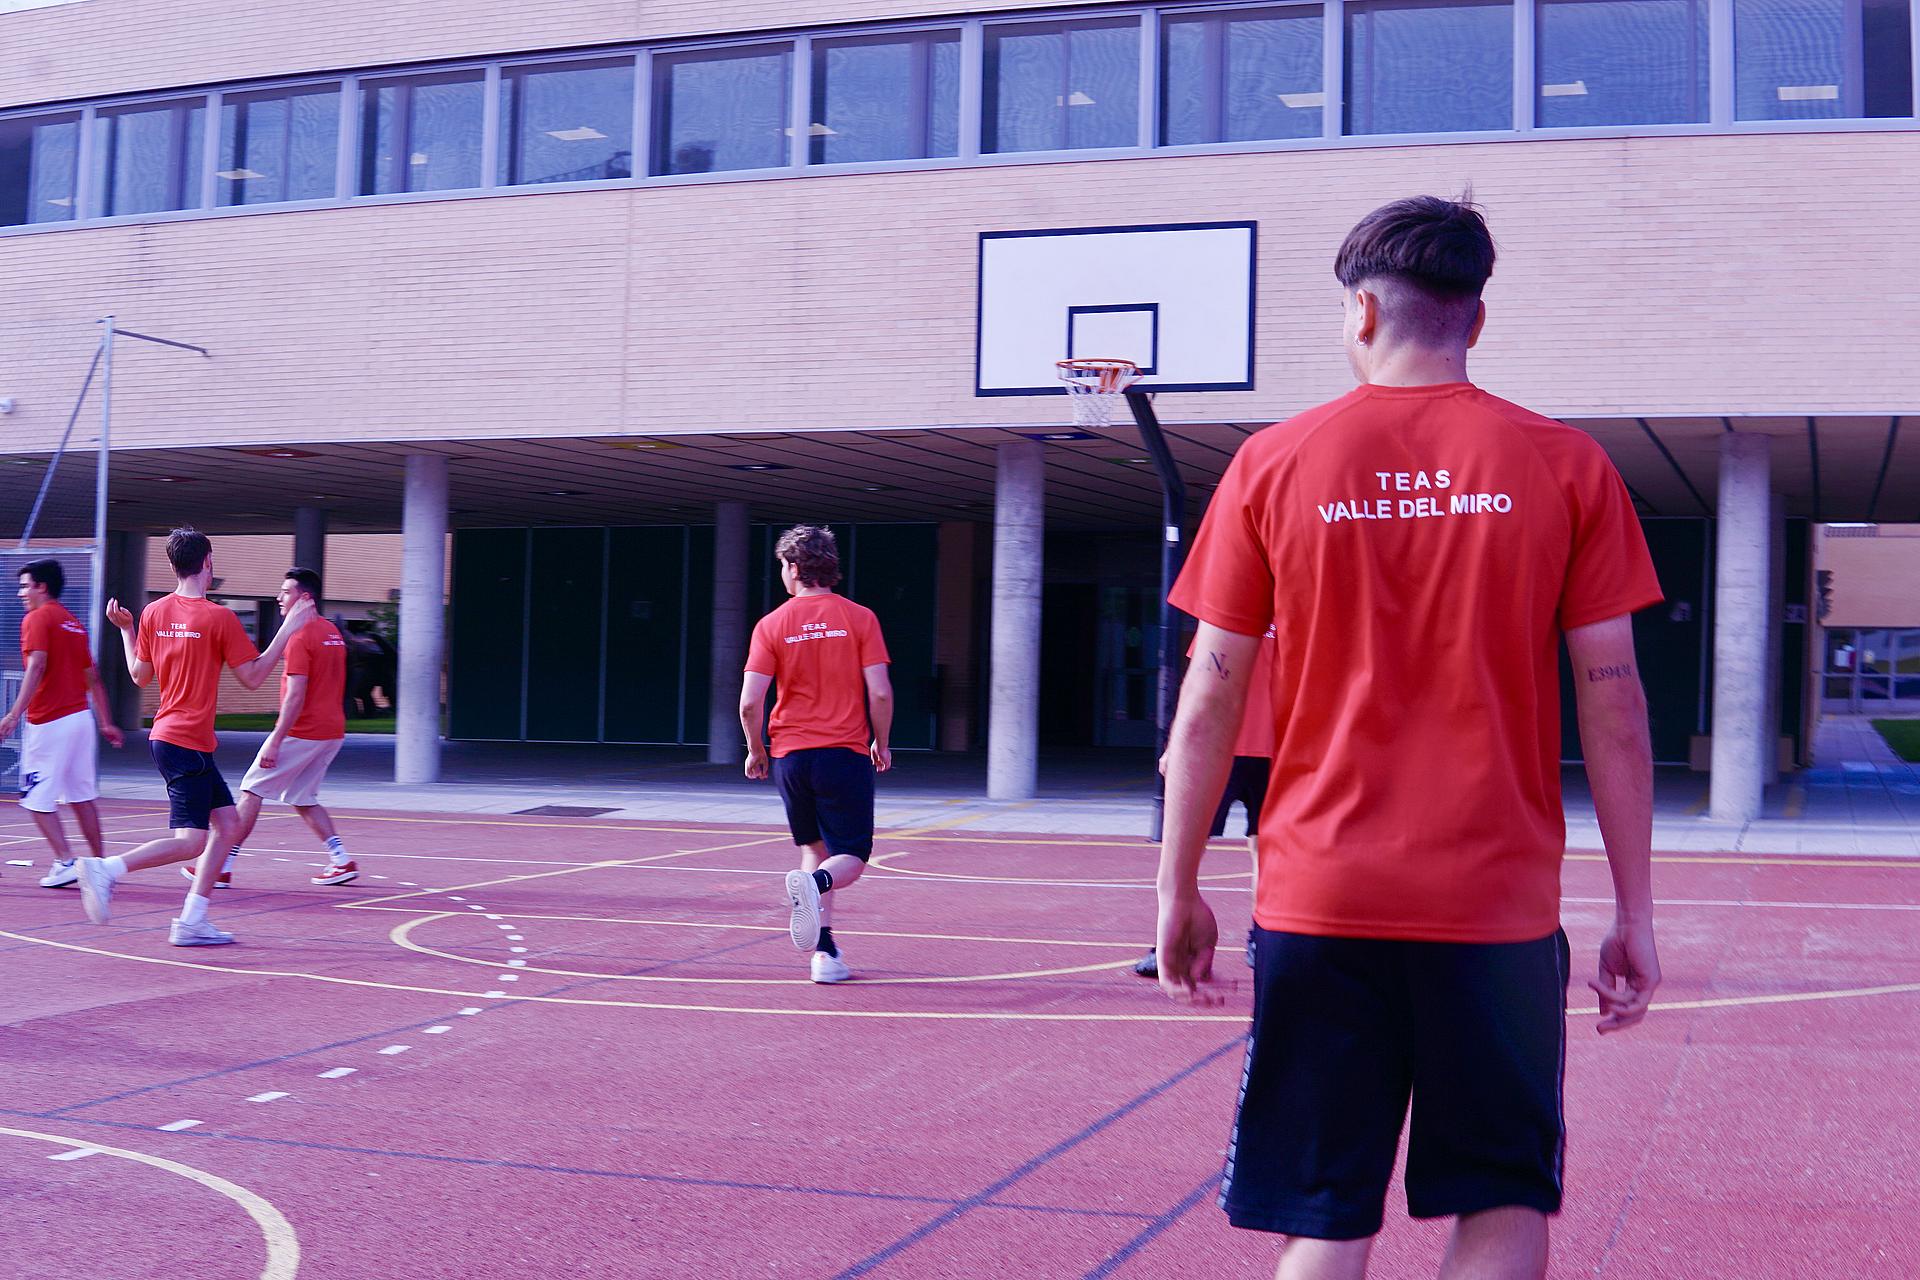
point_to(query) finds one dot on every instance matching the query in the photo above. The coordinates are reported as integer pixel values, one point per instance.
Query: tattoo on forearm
(1621, 671)
(1219, 665)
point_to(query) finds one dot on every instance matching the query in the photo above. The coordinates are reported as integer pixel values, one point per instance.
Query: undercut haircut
(307, 580)
(1427, 259)
(813, 552)
(48, 574)
(187, 551)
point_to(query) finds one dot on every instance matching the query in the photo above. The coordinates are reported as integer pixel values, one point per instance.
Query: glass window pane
(153, 155)
(1822, 59)
(721, 109)
(570, 123)
(1605, 62)
(280, 145)
(1062, 86)
(885, 98)
(421, 133)
(39, 160)
(1241, 76)
(1429, 66)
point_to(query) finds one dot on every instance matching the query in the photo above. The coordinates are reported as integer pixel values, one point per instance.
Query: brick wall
(1876, 581)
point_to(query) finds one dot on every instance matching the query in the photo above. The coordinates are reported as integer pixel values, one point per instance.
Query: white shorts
(296, 778)
(57, 763)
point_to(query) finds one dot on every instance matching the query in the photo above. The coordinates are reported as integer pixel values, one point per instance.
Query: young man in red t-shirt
(183, 640)
(305, 738)
(1420, 548)
(832, 713)
(57, 755)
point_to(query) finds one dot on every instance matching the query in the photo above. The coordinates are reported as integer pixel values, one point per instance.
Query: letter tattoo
(1219, 665)
(1619, 672)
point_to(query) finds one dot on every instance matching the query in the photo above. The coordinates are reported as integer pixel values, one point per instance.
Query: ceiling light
(281, 451)
(1298, 100)
(1074, 99)
(176, 479)
(418, 157)
(563, 493)
(238, 175)
(1577, 89)
(758, 466)
(1808, 92)
(1059, 435)
(65, 202)
(876, 488)
(585, 133)
(641, 444)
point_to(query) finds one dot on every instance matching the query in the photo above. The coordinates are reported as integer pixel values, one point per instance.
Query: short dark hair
(1434, 255)
(813, 552)
(46, 573)
(307, 580)
(187, 551)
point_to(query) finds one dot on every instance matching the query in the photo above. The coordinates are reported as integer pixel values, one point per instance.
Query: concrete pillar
(730, 632)
(126, 573)
(310, 539)
(1013, 717)
(423, 640)
(1742, 594)
(1776, 625)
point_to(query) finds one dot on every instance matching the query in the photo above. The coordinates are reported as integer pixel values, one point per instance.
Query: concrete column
(730, 631)
(310, 539)
(1013, 717)
(1742, 594)
(1776, 625)
(423, 640)
(126, 572)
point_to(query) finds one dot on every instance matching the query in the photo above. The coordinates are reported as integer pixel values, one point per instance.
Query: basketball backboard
(1176, 299)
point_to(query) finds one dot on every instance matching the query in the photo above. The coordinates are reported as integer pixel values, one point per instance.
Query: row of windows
(1232, 75)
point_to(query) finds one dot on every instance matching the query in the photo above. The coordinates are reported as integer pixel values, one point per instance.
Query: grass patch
(1903, 736)
(262, 722)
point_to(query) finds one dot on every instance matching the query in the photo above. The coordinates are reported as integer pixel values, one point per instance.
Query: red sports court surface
(529, 1047)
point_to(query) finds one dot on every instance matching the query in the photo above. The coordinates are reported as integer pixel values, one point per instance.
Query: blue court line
(1153, 1229)
(981, 1198)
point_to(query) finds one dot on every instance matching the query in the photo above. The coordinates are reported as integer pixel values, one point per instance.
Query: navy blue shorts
(194, 785)
(1347, 1031)
(829, 797)
(1247, 783)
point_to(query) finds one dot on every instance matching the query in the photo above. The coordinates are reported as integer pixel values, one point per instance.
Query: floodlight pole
(1173, 508)
(97, 596)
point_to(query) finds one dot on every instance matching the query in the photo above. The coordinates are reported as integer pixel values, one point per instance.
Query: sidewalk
(1859, 799)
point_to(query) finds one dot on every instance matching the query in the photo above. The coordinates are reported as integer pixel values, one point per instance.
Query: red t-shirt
(1418, 550)
(52, 630)
(188, 640)
(318, 653)
(816, 648)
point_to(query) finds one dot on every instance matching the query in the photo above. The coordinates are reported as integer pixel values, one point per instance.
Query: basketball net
(1096, 389)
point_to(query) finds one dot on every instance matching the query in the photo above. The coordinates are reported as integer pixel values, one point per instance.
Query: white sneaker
(96, 888)
(62, 875)
(182, 934)
(803, 896)
(828, 968)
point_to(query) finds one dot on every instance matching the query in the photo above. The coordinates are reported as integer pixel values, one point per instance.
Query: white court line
(493, 917)
(517, 963)
(516, 950)
(455, 898)
(1763, 903)
(503, 926)
(506, 977)
(438, 1031)
(178, 1125)
(474, 906)
(337, 1072)
(392, 1049)
(78, 1153)
(514, 937)
(26, 862)
(468, 1013)
(273, 1096)
(494, 995)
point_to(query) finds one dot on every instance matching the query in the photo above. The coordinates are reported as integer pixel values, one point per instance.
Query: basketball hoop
(1097, 388)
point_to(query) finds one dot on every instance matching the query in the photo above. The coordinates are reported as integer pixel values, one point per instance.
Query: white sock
(63, 862)
(195, 912)
(231, 855)
(116, 867)
(337, 851)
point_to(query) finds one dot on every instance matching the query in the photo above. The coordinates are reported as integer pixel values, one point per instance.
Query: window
(1242, 75)
(1429, 66)
(39, 162)
(152, 154)
(421, 133)
(1822, 59)
(283, 144)
(1606, 62)
(885, 98)
(1061, 86)
(567, 123)
(720, 109)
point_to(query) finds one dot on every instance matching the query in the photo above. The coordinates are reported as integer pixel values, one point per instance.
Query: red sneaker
(337, 875)
(224, 882)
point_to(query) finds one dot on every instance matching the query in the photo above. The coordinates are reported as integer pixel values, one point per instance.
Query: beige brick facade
(1876, 580)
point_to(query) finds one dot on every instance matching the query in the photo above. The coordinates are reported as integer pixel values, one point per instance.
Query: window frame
(1146, 78)
(1216, 89)
(661, 115)
(366, 89)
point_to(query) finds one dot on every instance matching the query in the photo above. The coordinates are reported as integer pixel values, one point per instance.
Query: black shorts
(194, 785)
(829, 797)
(1247, 783)
(1346, 1030)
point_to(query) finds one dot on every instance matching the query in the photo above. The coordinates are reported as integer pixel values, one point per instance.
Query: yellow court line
(283, 1247)
(400, 936)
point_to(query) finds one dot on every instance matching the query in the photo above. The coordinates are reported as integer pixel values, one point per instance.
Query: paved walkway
(1858, 799)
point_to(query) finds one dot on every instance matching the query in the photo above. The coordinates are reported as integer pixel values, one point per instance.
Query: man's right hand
(1629, 973)
(8, 723)
(119, 615)
(757, 767)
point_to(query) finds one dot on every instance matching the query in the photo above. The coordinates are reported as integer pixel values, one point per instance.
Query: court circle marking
(401, 933)
(283, 1246)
